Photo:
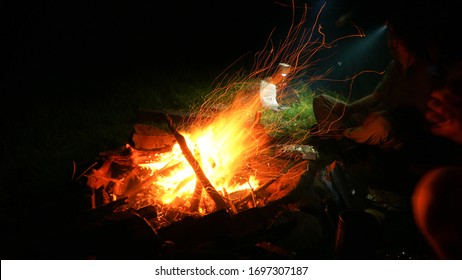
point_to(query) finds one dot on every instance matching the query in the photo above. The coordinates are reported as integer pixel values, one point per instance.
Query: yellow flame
(220, 148)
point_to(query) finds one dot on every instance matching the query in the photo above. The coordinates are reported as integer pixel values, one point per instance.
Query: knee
(423, 198)
(434, 194)
(321, 107)
(435, 206)
(378, 121)
(319, 100)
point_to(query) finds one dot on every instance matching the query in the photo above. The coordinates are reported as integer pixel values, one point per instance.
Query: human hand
(445, 114)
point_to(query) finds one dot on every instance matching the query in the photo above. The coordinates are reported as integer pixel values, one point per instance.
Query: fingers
(435, 105)
(442, 129)
(442, 106)
(435, 117)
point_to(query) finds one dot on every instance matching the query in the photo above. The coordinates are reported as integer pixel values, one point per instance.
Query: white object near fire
(268, 95)
(303, 151)
(268, 87)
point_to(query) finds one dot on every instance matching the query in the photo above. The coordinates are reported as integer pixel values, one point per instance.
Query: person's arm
(360, 105)
(364, 103)
(370, 100)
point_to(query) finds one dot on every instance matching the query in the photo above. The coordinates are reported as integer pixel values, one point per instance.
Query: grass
(293, 122)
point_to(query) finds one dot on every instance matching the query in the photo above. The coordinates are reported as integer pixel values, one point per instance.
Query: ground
(352, 202)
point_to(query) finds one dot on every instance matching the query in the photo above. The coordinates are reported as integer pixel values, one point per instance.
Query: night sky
(75, 37)
(59, 40)
(56, 39)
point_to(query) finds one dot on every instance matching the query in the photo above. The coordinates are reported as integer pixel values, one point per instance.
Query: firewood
(196, 197)
(107, 209)
(212, 192)
(255, 193)
(153, 178)
(252, 195)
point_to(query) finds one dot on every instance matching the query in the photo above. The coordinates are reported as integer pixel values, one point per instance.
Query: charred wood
(212, 192)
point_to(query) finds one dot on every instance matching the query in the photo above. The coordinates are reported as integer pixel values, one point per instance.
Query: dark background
(94, 40)
(50, 40)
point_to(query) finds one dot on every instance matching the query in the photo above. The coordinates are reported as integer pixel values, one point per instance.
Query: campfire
(225, 161)
(215, 176)
(217, 159)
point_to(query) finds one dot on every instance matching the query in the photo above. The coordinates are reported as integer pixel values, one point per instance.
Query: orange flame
(221, 148)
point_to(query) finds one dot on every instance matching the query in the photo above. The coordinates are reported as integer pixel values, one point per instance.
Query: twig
(83, 173)
(216, 197)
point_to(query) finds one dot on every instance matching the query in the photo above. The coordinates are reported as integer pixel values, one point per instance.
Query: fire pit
(226, 180)
(178, 181)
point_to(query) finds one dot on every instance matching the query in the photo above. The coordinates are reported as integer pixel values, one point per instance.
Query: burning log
(252, 194)
(150, 180)
(258, 192)
(109, 208)
(151, 138)
(196, 197)
(203, 181)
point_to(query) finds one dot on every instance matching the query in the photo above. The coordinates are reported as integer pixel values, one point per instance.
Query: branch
(204, 181)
